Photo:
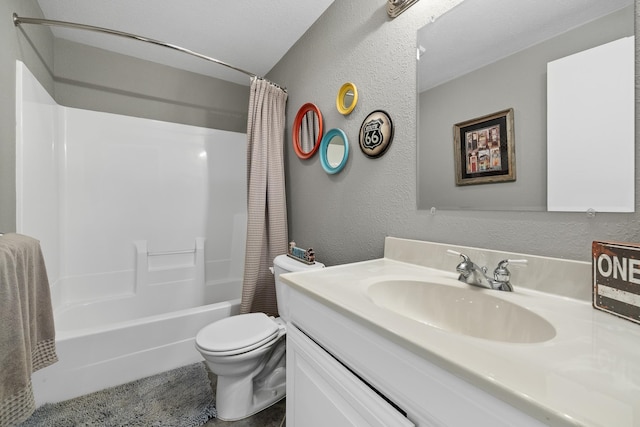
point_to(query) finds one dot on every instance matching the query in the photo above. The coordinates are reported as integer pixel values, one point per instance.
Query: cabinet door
(322, 392)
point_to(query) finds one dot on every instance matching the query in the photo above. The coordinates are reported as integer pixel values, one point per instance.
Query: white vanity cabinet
(334, 364)
(321, 392)
(390, 336)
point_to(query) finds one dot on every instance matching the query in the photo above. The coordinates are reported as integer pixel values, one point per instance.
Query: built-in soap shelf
(169, 267)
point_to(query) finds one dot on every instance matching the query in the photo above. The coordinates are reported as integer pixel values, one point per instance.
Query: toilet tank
(285, 264)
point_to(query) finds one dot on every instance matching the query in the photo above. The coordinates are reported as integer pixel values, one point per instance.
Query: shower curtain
(267, 209)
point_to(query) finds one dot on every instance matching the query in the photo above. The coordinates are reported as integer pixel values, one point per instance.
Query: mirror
(347, 98)
(469, 67)
(334, 151)
(307, 131)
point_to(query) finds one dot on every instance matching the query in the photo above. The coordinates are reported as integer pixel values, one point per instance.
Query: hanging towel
(27, 334)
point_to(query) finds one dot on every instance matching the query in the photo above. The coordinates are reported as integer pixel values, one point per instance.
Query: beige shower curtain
(267, 209)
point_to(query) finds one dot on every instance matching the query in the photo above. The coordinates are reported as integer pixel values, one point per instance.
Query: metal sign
(616, 279)
(376, 134)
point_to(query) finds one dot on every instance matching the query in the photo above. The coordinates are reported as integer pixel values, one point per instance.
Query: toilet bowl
(247, 353)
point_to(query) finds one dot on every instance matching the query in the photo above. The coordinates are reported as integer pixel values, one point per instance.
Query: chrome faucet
(472, 274)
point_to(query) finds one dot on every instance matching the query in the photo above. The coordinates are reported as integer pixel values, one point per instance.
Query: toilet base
(238, 398)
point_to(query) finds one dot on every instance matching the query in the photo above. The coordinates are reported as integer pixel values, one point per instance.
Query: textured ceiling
(479, 32)
(250, 34)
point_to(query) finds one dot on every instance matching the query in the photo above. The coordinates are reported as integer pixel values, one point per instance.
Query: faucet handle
(465, 267)
(465, 259)
(501, 273)
(505, 262)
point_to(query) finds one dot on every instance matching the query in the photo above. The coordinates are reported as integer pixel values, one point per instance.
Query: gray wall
(81, 76)
(345, 217)
(99, 80)
(519, 82)
(40, 61)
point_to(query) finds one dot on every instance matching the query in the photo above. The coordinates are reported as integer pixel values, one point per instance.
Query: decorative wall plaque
(616, 279)
(376, 134)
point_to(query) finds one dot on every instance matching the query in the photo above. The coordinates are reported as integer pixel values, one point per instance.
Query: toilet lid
(237, 332)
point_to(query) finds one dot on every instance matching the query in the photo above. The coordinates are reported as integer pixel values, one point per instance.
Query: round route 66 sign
(376, 134)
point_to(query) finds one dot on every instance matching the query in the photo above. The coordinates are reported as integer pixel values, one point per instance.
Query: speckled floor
(270, 417)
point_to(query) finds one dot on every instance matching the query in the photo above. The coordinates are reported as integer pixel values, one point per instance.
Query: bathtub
(100, 356)
(131, 324)
(142, 225)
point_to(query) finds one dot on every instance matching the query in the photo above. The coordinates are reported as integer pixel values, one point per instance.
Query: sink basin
(472, 312)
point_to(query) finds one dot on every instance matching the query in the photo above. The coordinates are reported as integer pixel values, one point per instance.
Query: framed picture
(484, 149)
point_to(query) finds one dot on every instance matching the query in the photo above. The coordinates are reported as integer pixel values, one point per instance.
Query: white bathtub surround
(585, 375)
(142, 225)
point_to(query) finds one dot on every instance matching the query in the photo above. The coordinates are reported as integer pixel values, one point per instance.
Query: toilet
(247, 353)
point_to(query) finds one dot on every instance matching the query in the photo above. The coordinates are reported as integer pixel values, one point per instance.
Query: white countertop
(587, 375)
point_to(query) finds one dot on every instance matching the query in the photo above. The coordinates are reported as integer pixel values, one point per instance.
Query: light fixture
(396, 7)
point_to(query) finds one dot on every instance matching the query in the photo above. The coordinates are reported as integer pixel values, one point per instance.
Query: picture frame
(484, 149)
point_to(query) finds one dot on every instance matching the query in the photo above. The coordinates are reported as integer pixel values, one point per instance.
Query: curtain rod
(18, 20)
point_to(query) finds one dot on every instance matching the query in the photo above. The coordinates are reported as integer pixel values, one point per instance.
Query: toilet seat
(238, 334)
(238, 352)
